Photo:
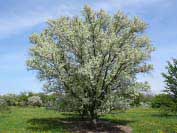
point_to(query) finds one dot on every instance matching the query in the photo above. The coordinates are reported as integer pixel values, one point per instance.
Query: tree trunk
(93, 119)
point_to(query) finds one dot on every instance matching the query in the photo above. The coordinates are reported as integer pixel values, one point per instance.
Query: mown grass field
(40, 120)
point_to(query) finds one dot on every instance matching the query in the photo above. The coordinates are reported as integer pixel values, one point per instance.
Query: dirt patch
(101, 127)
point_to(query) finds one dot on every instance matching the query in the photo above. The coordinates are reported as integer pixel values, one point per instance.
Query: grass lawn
(145, 121)
(36, 120)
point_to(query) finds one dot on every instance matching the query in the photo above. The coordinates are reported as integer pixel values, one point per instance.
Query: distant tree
(171, 78)
(91, 59)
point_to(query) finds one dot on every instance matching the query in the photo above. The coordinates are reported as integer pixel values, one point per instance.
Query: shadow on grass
(118, 121)
(46, 124)
(164, 115)
(75, 124)
(57, 123)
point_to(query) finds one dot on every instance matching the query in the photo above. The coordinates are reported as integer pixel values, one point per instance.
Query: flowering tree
(92, 59)
(35, 101)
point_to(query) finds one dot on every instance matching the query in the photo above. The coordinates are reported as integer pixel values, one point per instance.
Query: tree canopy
(171, 78)
(93, 59)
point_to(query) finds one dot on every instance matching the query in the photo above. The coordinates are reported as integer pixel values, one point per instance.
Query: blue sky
(20, 18)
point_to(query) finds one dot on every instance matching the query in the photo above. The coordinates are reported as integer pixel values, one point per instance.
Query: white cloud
(14, 22)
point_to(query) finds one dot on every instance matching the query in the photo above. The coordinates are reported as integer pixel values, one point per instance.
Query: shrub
(121, 104)
(49, 100)
(143, 99)
(3, 105)
(161, 100)
(23, 99)
(11, 99)
(145, 105)
(35, 101)
(165, 103)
